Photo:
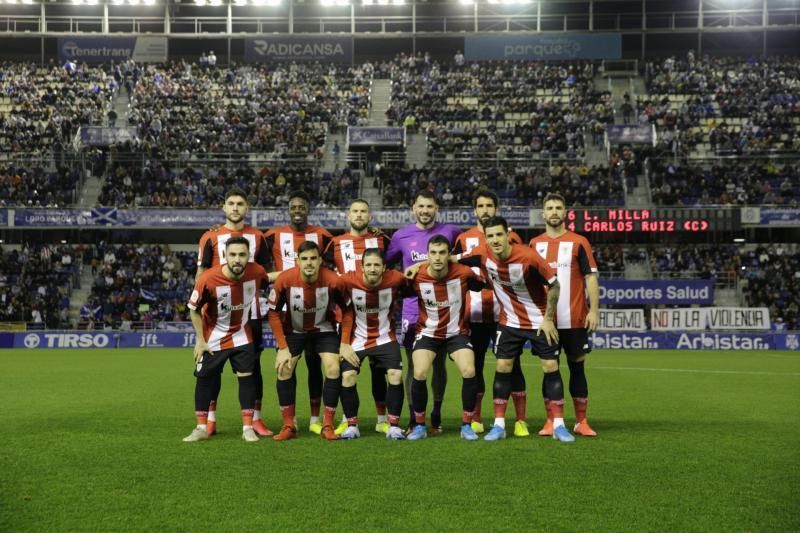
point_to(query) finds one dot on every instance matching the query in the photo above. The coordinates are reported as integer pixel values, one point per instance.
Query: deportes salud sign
(656, 292)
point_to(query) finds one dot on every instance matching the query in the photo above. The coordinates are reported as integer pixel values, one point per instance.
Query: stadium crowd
(36, 283)
(729, 105)
(771, 278)
(138, 283)
(499, 108)
(517, 184)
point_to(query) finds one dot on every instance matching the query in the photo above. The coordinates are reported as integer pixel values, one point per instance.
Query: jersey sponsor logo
(495, 277)
(365, 309)
(226, 307)
(445, 303)
(418, 256)
(297, 308)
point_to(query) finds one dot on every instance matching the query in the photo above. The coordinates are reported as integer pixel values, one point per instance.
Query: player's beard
(236, 269)
(360, 228)
(429, 218)
(555, 225)
(235, 218)
(484, 219)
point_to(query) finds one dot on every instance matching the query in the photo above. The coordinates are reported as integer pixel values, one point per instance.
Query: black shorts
(449, 345)
(574, 341)
(509, 343)
(312, 343)
(481, 335)
(385, 356)
(257, 328)
(243, 359)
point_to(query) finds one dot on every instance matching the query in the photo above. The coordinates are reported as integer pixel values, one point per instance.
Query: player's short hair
(554, 196)
(306, 246)
(237, 240)
(359, 201)
(439, 239)
(300, 194)
(485, 194)
(497, 221)
(425, 193)
(374, 251)
(236, 191)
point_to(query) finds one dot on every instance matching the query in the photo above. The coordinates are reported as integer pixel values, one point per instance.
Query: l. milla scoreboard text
(652, 221)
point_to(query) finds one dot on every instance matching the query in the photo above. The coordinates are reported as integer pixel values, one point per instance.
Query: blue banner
(111, 216)
(328, 49)
(4, 217)
(656, 292)
(630, 133)
(780, 217)
(610, 340)
(544, 47)
(104, 49)
(376, 136)
(694, 341)
(103, 136)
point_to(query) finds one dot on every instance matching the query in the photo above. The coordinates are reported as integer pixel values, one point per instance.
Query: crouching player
(368, 330)
(226, 293)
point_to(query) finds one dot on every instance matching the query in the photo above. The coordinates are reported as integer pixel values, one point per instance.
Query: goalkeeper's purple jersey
(409, 245)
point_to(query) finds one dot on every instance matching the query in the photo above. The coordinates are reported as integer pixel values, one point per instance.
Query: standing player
(519, 277)
(571, 256)
(368, 330)
(410, 245)
(226, 293)
(484, 311)
(307, 294)
(212, 253)
(283, 243)
(443, 324)
(346, 251)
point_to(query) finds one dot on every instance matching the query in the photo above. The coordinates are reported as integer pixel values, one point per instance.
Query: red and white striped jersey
(226, 303)
(442, 302)
(308, 306)
(571, 256)
(283, 242)
(212, 246)
(483, 305)
(346, 251)
(519, 283)
(212, 252)
(372, 309)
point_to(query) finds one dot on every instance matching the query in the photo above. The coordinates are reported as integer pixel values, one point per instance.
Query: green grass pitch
(91, 440)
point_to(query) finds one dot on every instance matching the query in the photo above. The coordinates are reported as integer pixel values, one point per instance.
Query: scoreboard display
(655, 221)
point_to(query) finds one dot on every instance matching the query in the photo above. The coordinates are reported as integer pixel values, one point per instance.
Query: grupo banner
(205, 218)
(104, 49)
(544, 47)
(656, 292)
(715, 318)
(631, 133)
(326, 48)
(105, 136)
(605, 340)
(622, 320)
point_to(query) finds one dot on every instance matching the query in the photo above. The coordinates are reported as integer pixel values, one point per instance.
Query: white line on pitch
(696, 371)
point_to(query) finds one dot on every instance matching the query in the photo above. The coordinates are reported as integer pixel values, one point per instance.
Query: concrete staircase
(380, 99)
(78, 296)
(639, 197)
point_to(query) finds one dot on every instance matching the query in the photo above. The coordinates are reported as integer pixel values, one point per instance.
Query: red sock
(500, 406)
(202, 417)
(556, 408)
(352, 421)
(287, 412)
(467, 417)
(476, 416)
(330, 414)
(247, 417)
(520, 403)
(547, 407)
(580, 408)
(315, 405)
(419, 418)
(380, 408)
(394, 420)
